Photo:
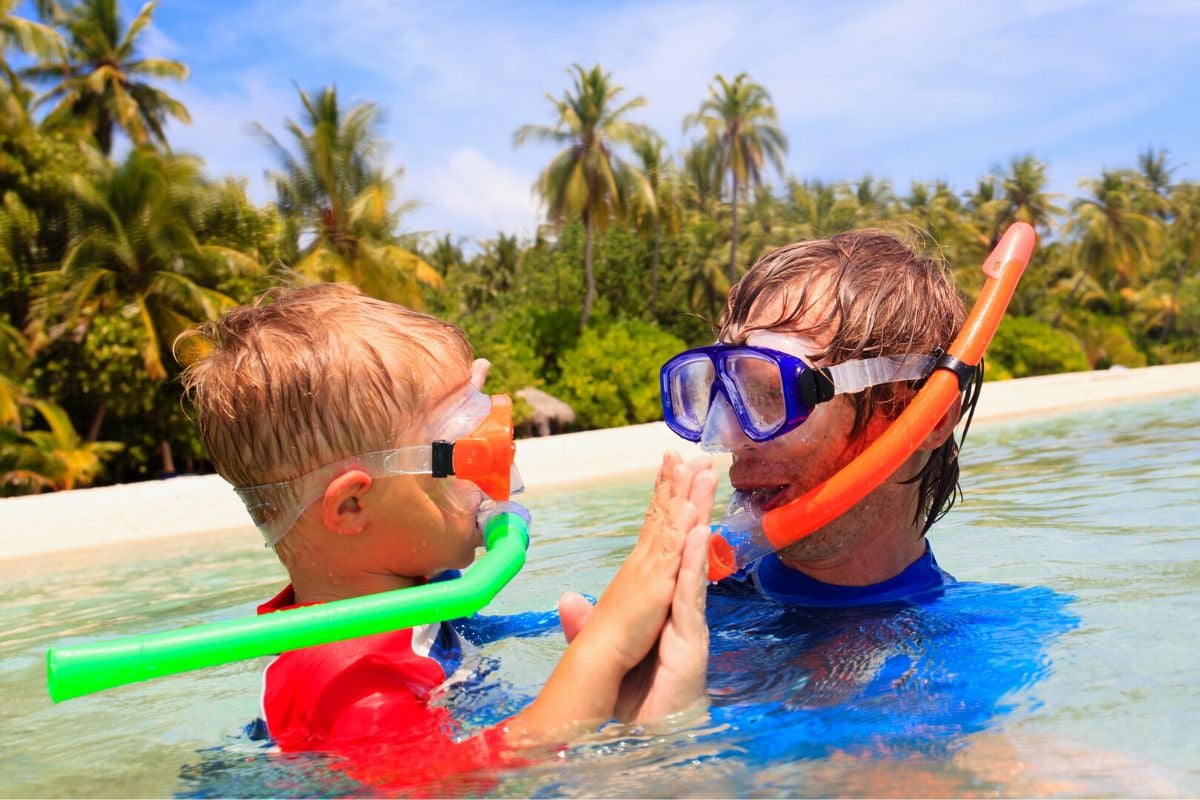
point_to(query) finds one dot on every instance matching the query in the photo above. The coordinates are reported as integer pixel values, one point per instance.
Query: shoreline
(39, 525)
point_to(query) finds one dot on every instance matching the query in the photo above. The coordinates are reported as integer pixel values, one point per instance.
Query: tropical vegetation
(108, 252)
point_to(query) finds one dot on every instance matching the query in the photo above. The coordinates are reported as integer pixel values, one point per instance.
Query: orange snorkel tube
(740, 542)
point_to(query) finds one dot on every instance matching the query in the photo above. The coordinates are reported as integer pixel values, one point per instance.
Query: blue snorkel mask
(710, 392)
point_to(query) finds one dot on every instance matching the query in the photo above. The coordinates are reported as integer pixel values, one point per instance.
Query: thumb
(573, 611)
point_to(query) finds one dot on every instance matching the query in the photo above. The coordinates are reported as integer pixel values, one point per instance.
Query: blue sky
(901, 90)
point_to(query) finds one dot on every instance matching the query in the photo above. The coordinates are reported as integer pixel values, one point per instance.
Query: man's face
(787, 467)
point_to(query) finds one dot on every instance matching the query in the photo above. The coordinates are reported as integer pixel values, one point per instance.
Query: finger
(691, 588)
(703, 493)
(682, 514)
(662, 495)
(573, 611)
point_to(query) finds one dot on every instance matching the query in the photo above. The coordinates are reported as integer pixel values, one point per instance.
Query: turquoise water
(1064, 663)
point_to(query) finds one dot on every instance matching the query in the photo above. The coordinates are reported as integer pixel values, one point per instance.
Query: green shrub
(1023, 347)
(610, 378)
(1106, 340)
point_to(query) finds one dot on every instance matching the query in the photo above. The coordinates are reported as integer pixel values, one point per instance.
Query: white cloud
(473, 195)
(222, 128)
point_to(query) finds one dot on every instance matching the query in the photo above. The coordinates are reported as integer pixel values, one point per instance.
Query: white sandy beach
(49, 523)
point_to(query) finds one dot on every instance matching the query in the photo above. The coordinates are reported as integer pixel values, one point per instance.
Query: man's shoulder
(769, 578)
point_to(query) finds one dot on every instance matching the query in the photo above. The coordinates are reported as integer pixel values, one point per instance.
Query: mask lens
(759, 386)
(690, 384)
(456, 496)
(460, 417)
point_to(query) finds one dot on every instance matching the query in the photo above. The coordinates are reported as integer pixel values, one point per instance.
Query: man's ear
(944, 428)
(341, 507)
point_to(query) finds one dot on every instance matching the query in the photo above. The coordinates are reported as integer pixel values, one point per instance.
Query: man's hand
(671, 676)
(625, 626)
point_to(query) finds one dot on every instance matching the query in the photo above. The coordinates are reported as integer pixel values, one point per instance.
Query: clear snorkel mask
(472, 452)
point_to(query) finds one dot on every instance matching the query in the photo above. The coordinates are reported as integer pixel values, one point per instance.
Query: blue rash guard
(769, 578)
(803, 669)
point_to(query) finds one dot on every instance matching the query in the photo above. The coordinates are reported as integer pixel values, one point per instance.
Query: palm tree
(1117, 242)
(98, 77)
(822, 209)
(1183, 244)
(698, 271)
(587, 178)
(739, 118)
(702, 177)
(26, 36)
(1156, 175)
(665, 213)
(133, 252)
(875, 199)
(338, 203)
(1023, 192)
(55, 458)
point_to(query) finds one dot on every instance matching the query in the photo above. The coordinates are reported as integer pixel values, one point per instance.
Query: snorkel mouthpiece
(743, 538)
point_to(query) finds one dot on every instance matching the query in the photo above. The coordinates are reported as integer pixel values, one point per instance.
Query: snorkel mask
(723, 385)
(472, 450)
(709, 393)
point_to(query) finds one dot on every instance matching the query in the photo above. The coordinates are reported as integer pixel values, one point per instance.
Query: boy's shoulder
(356, 688)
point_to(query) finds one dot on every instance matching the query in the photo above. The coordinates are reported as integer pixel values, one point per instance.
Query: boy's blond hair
(312, 375)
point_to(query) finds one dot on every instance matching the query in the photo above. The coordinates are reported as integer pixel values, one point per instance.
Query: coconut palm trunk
(589, 274)
(97, 420)
(733, 233)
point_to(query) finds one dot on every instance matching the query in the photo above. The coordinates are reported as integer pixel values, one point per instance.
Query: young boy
(303, 400)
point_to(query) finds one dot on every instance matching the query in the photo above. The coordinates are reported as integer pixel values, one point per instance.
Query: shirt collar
(785, 585)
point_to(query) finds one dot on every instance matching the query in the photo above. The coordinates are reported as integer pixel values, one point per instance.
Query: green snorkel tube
(82, 669)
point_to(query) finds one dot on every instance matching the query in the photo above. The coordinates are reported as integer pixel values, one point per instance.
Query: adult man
(849, 645)
(867, 305)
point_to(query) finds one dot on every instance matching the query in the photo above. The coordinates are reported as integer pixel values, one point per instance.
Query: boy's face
(430, 523)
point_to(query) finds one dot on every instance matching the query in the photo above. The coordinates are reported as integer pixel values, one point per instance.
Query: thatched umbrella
(549, 413)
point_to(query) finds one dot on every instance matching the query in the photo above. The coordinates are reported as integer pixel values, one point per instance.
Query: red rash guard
(367, 699)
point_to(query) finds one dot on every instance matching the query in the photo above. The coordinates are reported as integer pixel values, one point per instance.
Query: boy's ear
(341, 509)
(944, 428)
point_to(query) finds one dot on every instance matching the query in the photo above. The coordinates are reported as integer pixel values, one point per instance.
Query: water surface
(1064, 662)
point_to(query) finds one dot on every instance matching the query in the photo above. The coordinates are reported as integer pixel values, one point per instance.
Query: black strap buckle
(443, 459)
(965, 372)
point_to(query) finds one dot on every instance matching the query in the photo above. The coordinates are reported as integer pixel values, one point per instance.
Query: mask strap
(855, 376)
